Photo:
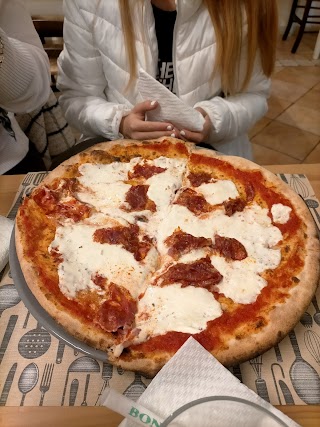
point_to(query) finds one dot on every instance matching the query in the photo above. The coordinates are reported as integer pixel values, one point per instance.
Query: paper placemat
(37, 369)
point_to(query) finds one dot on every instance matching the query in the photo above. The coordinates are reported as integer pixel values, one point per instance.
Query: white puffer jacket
(93, 71)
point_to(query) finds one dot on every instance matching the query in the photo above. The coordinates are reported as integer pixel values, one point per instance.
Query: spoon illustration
(136, 388)
(304, 377)
(28, 380)
(316, 316)
(9, 297)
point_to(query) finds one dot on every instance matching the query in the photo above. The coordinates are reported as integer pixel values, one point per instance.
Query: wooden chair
(50, 30)
(306, 19)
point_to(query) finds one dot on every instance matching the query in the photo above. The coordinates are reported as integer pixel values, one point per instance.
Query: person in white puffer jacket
(216, 56)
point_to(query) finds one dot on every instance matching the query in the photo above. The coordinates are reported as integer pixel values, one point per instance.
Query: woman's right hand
(134, 125)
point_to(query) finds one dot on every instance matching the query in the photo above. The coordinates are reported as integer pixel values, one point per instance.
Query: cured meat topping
(230, 248)
(181, 243)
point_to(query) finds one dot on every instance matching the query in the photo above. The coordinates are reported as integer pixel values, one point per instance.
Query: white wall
(44, 7)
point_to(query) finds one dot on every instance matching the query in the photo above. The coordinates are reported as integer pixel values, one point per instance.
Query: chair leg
(291, 19)
(302, 26)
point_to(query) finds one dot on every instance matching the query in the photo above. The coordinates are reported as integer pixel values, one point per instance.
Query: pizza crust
(282, 318)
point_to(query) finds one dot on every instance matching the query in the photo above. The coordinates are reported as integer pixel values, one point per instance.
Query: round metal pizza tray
(40, 314)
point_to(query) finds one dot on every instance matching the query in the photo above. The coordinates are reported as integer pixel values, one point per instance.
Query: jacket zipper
(174, 51)
(147, 32)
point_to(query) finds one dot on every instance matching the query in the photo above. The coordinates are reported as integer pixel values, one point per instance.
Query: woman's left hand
(198, 137)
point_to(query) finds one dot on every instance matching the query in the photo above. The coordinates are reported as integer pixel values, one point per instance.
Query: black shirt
(164, 22)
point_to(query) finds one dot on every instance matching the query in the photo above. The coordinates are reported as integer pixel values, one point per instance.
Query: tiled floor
(290, 131)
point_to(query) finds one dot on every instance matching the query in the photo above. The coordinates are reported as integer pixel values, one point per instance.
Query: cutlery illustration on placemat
(284, 388)
(107, 372)
(28, 380)
(73, 391)
(299, 186)
(304, 377)
(7, 385)
(84, 402)
(60, 352)
(9, 297)
(313, 204)
(306, 320)
(46, 380)
(312, 342)
(278, 353)
(34, 343)
(82, 364)
(7, 335)
(261, 385)
(236, 371)
(316, 316)
(136, 388)
(26, 320)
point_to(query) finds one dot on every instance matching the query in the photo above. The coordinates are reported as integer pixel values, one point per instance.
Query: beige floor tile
(311, 100)
(302, 118)
(262, 123)
(314, 156)
(307, 77)
(265, 156)
(285, 90)
(287, 140)
(276, 106)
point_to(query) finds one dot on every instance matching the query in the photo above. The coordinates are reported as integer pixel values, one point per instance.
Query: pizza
(134, 246)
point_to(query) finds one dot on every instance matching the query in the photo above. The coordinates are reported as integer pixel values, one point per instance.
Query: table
(306, 415)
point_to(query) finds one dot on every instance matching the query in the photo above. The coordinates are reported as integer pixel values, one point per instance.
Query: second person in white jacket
(216, 56)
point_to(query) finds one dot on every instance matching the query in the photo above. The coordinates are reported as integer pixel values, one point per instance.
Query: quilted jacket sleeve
(25, 71)
(82, 81)
(233, 116)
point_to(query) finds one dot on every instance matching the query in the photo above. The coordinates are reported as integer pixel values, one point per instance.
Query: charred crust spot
(295, 279)
(287, 249)
(259, 324)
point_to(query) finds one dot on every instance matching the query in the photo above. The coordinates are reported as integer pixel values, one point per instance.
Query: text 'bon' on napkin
(191, 374)
(171, 109)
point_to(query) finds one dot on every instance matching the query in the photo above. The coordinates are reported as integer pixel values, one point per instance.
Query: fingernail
(169, 127)
(173, 135)
(153, 102)
(182, 133)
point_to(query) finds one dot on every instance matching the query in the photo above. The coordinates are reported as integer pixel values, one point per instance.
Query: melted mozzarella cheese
(280, 213)
(218, 192)
(83, 259)
(173, 308)
(240, 280)
(164, 185)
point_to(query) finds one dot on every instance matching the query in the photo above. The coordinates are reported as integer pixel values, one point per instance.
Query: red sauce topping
(118, 311)
(146, 171)
(50, 202)
(138, 199)
(200, 273)
(127, 237)
(230, 248)
(195, 202)
(181, 243)
(250, 191)
(196, 179)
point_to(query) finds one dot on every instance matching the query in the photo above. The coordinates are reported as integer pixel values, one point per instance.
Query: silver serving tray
(40, 314)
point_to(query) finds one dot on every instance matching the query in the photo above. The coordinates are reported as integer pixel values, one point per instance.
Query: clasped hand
(134, 125)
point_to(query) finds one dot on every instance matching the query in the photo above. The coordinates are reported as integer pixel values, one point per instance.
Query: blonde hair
(227, 20)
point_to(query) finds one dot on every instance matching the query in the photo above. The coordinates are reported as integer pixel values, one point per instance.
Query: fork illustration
(46, 380)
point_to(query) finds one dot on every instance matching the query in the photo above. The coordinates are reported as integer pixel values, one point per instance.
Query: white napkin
(191, 374)
(6, 226)
(171, 109)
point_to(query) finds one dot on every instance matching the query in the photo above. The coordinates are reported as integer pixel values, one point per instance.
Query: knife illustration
(7, 335)
(7, 385)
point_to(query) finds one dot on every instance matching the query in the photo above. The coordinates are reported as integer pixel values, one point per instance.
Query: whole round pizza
(134, 246)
